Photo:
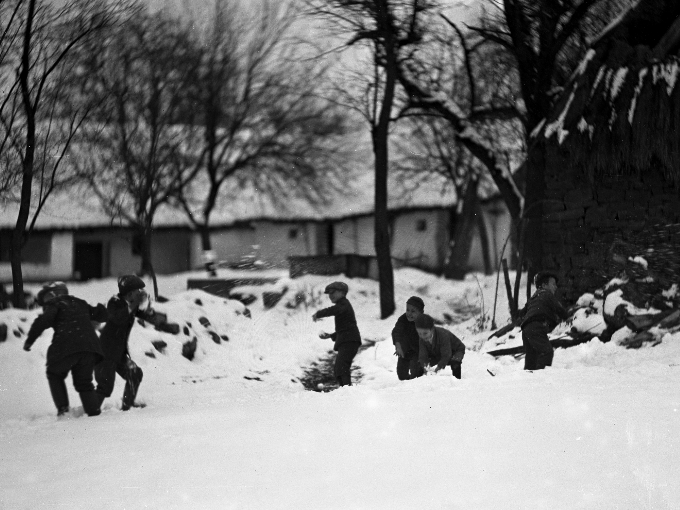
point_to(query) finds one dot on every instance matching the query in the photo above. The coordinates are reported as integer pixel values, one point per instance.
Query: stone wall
(592, 231)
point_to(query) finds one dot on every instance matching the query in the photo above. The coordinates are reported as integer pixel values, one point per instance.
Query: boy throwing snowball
(346, 337)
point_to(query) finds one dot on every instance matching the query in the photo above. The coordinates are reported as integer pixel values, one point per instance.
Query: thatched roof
(620, 112)
(78, 208)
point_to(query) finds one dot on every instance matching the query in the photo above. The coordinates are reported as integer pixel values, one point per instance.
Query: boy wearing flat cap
(346, 337)
(405, 339)
(122, 310)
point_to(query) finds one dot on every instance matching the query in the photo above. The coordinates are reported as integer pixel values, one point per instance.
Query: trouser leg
(343, 363)
(538, 348)
(545, 357)
(529, 352)
(81, 372)
(133, 377)
(408, 367)
(456, 369)
(55, 379)
(403, 369)
(414, 368)
(105, 375)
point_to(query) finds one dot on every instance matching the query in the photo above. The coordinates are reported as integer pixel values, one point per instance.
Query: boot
(91, 402)
(59, 393)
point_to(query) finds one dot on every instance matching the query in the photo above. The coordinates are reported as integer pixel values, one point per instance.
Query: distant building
(76, 241)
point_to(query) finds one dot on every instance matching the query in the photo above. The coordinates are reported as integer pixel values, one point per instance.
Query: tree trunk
(381, 225)
(456, 268)
(18, 300)
(145, 236)
(380, 135)
(530, 241)
(206, 246)
(484, 240)
(27, 167)
(17, 243)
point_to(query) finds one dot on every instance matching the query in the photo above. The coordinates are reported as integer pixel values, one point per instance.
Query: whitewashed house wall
(59, 266)
(276, 241)
(354, 235)
(230, 244)
(417, 238)
(498, 225)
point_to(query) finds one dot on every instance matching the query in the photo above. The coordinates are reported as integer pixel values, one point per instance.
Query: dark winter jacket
(445, 347)
(544, 307)
(71, 319)
(346, 329)
(114, 335)
(405, 333)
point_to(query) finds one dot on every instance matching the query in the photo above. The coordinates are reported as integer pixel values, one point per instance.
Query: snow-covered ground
(234, 427)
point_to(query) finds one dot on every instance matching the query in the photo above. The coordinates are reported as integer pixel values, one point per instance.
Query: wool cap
(50, 291)
(129, 282)
(341, 286)
(543, 277)
(417, 302)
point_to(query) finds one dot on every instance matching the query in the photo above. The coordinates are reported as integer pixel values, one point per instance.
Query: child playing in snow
(541, 314)
(122, 310)
(75, 347)
(438, 346)
(406, 340)
(346, 337)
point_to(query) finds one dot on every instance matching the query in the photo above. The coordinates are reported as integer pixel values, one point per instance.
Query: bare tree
(446, 77)
(461, 96)
(140, 150)
(38, 129)
(431, 151)
(11, 29)
(546, 39)
(388, 30)
(262, 121)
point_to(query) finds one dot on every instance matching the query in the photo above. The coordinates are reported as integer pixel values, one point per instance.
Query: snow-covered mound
(233, 427)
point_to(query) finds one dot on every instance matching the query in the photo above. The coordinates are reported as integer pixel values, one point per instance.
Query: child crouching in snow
(346, 337)
(438, 346)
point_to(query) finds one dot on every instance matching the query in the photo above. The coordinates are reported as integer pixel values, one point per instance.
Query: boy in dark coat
(438, 346)
(346, 337)
(122, 310)
(541, 314)
(75, 346)
(406, 340)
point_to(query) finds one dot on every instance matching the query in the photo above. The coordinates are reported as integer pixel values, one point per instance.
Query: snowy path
(587, 438)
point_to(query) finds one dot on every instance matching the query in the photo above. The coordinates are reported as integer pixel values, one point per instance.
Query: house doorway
(88, 260)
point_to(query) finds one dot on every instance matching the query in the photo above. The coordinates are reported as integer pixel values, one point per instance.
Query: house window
(421, 225)
(293, 233)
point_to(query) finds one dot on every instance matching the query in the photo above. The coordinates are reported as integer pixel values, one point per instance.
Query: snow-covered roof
(80, 209)
(619, 109)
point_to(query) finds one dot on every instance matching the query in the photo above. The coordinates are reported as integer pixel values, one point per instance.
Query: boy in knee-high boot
(122, 310)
